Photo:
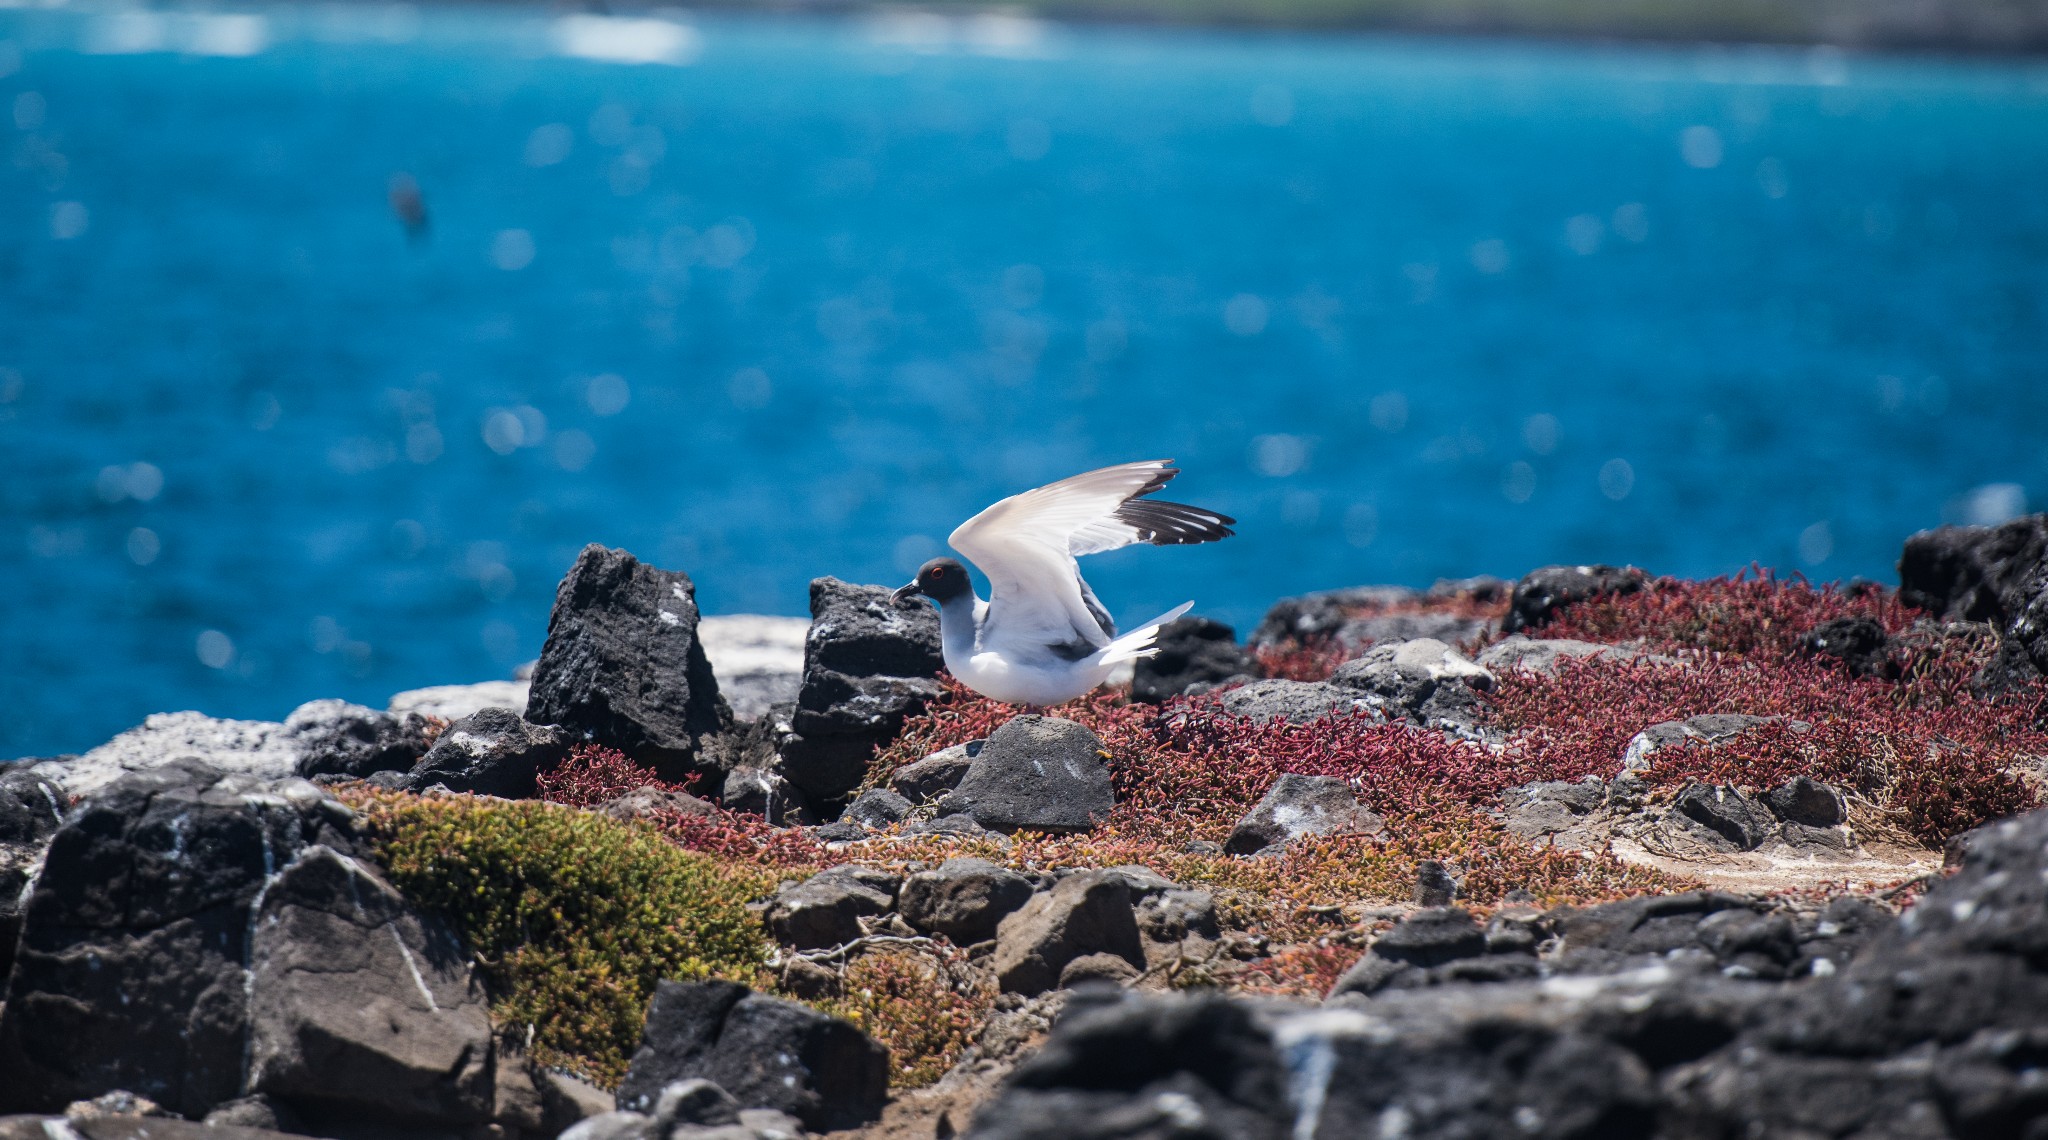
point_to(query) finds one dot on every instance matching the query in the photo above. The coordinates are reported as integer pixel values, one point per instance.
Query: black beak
(906, 593)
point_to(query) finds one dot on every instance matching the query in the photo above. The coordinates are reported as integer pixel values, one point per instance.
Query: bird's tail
(1138, 642)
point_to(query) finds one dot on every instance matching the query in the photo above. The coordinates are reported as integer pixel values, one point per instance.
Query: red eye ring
(938, 571)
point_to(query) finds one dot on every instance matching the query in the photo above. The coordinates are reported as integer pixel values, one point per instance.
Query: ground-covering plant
(594, 775)
(573, 917)
(922, 1001)
(1922, 754)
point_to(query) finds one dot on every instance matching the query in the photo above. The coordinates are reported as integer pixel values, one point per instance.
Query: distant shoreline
(2015, 28)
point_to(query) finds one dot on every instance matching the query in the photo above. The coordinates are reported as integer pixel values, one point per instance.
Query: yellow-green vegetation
(925, 1004)
(572, 915)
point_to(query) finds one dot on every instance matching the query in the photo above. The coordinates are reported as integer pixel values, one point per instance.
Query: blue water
(804, 294)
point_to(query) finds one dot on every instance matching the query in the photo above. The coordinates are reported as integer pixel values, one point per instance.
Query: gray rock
(258, 1110)
(767, 1053)
(1550, 806)
(622, 663)
(1097, 968)
(877, 808)
(1302, 805)
(763, 792)
(453, 702)
(1423, 682)
(759, 660)
(1543, 592)
(1038, 773)
(1541, 655)
(1085, 913)
(1727, 812)
(257, 748)
(1190, 651)
(613, 1126)
(825, 909)
(963, 899)
(869, 665)
(360, 1007)
(338, 738)
(491, 753)
(695, 1101)
(1296, 702)
(1806, 801)
(1319, 618)
(1434, 884)
(959, 823)
(922, 781)
(1709, 729)
(648, 801)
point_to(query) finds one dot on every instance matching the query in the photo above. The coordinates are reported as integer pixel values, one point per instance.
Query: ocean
(329, 334)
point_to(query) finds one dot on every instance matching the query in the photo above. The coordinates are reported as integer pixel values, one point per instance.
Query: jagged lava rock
(921, 781)
(1085, 913)
(763, 792)
(766, 1052)
(1541, 655)
(1973, 573)
(1728, 812)
(876, 808)
(964, 899)
(32, 808)
(1860, 643)
(257, 748)
(869, 665)
(493, 753)
(1037, 772)
(1543, 592)
(1296, 702)
(338, 738)
(826, 909)
(1299, 805)
(1709, 729)
(1191, 651)
(622, 663)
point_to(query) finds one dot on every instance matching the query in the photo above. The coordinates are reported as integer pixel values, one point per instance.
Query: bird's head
(941, 580)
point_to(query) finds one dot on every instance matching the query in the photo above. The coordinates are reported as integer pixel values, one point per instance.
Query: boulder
(759, 660)
(360, 1008)
(1973, 573)
(1039, 773)
(1550, 806)
(32, 808)
(1727, 812)
(766, 1052)
(1379, 629)
(2022, 642)
(491, 753)
(922, 781)
(877, 808)
(1317, 618)
(1859, 643)
(1543, 592)
(1085, 913)
(453, 702)
(763, 792)
(869, 665)
(256, 748)
(963, 899)
(648, 801)
(1541, 655)
(622, 664)
(1302, 805)
(1190, 651)
(338, 738)
(1431, 937)
(1202, 1068)
(1709, 729)
(1806, 801)
(826, 909)
(1424, 682)
(179, 923)
(1296, 702)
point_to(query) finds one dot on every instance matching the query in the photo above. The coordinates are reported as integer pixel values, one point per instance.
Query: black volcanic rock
(623, 666)
(1973, 573)
(1191, 651)
(1543, 592)
(869, 665)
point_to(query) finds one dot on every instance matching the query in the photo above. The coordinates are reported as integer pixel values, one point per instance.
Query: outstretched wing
(1027, 544)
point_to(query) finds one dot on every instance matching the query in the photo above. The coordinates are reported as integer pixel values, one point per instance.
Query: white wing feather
(1027, 544)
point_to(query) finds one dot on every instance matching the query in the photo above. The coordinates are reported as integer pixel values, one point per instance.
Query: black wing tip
(1174, 524)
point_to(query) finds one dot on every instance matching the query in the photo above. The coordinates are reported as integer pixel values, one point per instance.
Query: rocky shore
(1586, 854)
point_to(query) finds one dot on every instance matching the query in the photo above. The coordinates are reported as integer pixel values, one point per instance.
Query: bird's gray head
(941, 580)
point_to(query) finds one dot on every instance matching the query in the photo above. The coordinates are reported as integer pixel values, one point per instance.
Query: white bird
(1041, 638)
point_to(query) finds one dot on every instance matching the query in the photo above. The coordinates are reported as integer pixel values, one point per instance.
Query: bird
(1042, 638)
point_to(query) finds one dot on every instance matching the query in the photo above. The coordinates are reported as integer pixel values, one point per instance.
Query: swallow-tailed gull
(1041, 638)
